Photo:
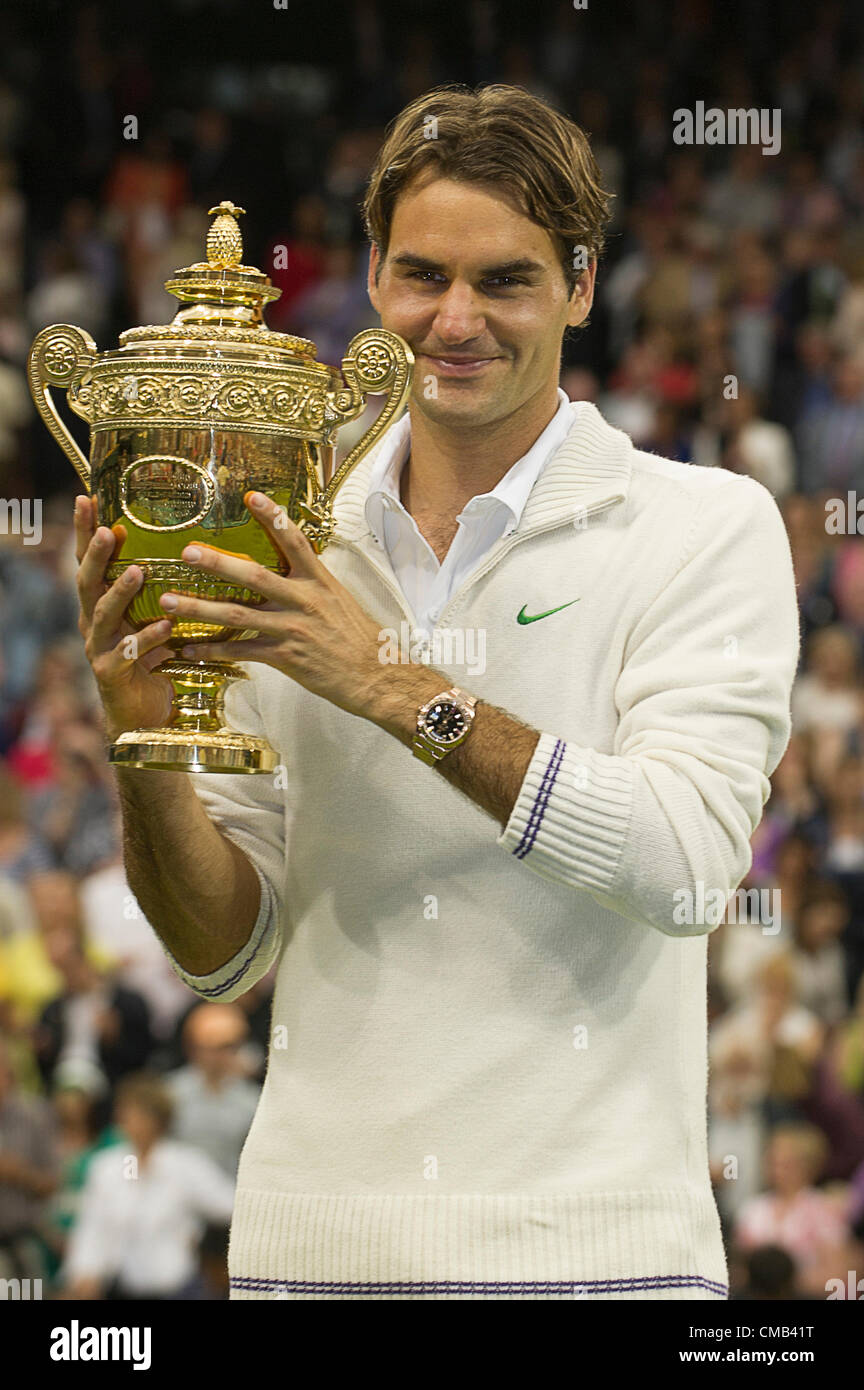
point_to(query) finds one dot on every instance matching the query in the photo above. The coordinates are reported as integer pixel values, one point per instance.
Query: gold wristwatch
(443, 723)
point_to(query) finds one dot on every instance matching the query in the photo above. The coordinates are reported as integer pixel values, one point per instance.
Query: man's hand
(122, 659)
(311, 628)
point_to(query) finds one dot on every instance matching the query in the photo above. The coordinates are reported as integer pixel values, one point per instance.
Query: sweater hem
(656, 1244)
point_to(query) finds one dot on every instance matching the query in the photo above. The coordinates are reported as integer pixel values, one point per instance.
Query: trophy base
(175, 750)
(197, 739)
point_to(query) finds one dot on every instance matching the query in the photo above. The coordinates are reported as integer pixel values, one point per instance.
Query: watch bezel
(445, 697)
(431, 733)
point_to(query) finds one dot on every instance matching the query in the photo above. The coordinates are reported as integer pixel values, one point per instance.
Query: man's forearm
(197, 889)
(491, 764)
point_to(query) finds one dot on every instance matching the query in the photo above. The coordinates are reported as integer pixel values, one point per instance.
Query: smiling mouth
(459, 366)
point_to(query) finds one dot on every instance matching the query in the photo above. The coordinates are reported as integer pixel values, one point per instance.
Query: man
(29, 1171)
(92, 1022)
(213, 1102)
(487, 1071)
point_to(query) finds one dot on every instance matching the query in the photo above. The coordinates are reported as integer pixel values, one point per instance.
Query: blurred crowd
(727, 330)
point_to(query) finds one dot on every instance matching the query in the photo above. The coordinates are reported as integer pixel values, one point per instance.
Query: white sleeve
(253, 810)
(210, 1190)
(92, 1249)
(704, 697)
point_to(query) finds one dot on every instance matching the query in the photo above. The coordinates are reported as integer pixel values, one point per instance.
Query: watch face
(445, 721)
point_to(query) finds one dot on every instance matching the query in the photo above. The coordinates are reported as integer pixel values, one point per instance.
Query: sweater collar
(590, 468)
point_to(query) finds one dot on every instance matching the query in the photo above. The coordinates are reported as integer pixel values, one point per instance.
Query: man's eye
(505, 282)
(420, 274)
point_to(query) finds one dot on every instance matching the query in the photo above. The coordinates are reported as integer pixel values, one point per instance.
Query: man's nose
(459, 315)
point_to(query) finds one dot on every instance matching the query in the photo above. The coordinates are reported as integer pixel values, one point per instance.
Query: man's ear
(583, 295)
(371, 286)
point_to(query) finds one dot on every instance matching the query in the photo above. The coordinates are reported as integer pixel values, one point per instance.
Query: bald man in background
(214, 1100)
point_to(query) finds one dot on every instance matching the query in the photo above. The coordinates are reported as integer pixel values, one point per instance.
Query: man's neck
(447, 467)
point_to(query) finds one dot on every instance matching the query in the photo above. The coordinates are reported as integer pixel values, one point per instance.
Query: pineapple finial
(224, 242)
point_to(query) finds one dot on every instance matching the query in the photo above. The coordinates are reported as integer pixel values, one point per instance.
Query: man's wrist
(397, 700)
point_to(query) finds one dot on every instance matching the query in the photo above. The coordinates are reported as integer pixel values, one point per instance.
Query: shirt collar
(592, 468)
(509, 496)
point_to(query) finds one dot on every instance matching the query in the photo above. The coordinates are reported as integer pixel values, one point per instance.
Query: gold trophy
(187, 418)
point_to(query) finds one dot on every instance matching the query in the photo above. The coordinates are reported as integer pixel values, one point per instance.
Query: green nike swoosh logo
(534, 618)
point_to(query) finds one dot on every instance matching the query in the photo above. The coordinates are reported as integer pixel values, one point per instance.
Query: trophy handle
(377, 360)
(62, 355)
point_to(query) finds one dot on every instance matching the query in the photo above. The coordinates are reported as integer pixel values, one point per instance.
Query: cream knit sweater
(487, 1074)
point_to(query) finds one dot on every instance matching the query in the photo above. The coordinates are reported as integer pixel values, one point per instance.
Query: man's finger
(91, 571)
(84, 526)
(110, 609)
(250, 649)
(245, 573)
(146, 646)
(287, 537)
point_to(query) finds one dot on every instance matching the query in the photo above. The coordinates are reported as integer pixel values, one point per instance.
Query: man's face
(477, 290)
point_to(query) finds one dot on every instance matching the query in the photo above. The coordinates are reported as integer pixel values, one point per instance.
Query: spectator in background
(331, 310)
(770, 1275)
(736, 1127)
(92, 1022)
(813, 563)
(82, 1133)
(794, 1214)
(22, 851)
(143, 193)
(28, 1176)
(750, 309)
(35, 615)
(847, 587)
(843, 850)
(116, 927)
(138, 1239)
(831, 436)
(793, 803)
(780, 1037)
(827, 697)
(214, 1103)
(820, 972)
(76, 811)
(297, 262)
(13, 212)
(847, 1052)
(28, 977)
(739, 947)
(16, 411)
(67, 292)
(758, 447)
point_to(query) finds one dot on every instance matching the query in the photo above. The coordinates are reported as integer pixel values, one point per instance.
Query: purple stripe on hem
(527, 1286)
(538, 810)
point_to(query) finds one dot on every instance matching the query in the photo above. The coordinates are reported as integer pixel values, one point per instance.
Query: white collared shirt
(142, 1227)
(426, 584)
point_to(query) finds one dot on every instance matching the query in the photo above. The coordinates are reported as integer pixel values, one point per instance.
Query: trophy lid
(224, 298)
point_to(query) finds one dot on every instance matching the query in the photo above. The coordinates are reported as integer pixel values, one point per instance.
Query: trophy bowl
(185, 420)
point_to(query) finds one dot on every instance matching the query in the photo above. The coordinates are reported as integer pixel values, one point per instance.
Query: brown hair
(148, 1091)
(500, 135)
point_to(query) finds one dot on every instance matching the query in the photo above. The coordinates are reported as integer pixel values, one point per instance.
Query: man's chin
(462, 408)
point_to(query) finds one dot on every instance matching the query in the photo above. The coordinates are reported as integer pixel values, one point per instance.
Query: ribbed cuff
(217, 984)
(570, 818)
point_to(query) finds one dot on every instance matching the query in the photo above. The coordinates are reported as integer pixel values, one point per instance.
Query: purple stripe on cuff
(529, 835)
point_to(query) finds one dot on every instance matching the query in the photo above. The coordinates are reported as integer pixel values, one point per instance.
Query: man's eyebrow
(523, 266)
